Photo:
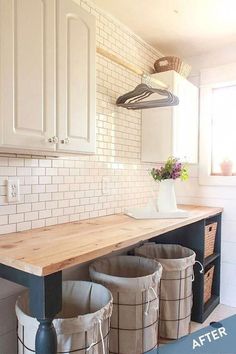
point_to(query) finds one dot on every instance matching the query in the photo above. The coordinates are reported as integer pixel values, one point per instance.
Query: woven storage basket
(172, 63)
(208, 281)
(210, 238)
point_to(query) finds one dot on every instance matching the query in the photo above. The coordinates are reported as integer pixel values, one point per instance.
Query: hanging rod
(129, 66)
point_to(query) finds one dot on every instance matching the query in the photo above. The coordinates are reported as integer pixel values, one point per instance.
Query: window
(218, 126)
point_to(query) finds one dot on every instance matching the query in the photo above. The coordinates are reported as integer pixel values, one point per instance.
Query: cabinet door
(75, 78)
(27, 40)
(185, 121)
(157, 140)
(172, 131)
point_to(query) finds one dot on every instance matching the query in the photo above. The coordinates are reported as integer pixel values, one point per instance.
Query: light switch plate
(13, 190)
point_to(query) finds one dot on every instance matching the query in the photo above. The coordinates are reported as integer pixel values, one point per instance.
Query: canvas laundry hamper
(82, 326)
(134, 284)
(176, 286)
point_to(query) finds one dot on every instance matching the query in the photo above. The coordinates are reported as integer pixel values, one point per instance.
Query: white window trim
(224, 75)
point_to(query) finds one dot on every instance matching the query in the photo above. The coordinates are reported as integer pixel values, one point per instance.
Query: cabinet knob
(65, 141)
(53, 140)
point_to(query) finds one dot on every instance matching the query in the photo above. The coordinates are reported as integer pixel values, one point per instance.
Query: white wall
(192, 192)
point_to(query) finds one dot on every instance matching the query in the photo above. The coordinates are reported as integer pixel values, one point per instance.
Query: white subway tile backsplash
(31, 180)
(45, 163)
(63, 203)
(51, 205)
(22, 226)
(51, 188)
(38, 171)
(8, 228)
(57, 163)
(31, 198)
(4, 219)
(33, 215)
(38, 206)
(43, 214)
(51, 171)
(31, 162)
(45, 180)
(45, 197)
(51, 221)
(6, 210)
(16, 162)
(24, 171)
(38, 188)
(38, 223)
(16, 218)
(57, 212)
(69, 211)
(23, 208)
(7, 171)
(3, 162)
(63, 171)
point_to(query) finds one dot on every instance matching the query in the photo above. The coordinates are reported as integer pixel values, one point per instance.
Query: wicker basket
(172, 63)
(210, 237)
(208, 282)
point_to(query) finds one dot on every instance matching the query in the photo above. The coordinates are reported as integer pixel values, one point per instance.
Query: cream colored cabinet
(172, 131)
(27, 80)
(47, 77)
(75, 78)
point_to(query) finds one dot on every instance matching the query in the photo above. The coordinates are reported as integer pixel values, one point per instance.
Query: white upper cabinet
(75, 78)
(27, 96)
(47, 77)
(172, 131)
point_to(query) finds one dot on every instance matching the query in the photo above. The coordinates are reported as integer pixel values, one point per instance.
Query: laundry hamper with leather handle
(82, 326)
(134, 284)
(176, 286)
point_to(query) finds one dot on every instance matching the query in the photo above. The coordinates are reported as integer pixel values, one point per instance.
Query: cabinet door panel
(172, 131)
(27, 73)
(157, 142)
(75, 78)
(185, 122)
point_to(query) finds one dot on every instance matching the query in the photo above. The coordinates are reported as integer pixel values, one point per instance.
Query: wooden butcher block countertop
(47, 250)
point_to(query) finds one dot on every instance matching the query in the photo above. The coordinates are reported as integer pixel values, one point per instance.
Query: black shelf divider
(210, 306)
(211, 258)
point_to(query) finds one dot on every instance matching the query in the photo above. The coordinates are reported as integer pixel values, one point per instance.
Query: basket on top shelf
(210, 238)
(208, 282)
(172, 63)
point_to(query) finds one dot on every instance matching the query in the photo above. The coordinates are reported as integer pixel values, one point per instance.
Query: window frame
(210, 79)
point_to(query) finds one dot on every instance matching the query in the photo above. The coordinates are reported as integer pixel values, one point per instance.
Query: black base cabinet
(193, 236)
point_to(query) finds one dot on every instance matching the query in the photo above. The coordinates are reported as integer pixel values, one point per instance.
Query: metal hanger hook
(147, 79)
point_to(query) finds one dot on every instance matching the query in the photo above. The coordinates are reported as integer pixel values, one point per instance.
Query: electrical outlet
(13, 190)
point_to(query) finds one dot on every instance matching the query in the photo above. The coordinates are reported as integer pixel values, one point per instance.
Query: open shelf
(211, 258)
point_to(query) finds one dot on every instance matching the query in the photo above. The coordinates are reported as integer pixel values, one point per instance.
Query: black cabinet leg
(45, 297)
(45, 303)
(46, 339)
